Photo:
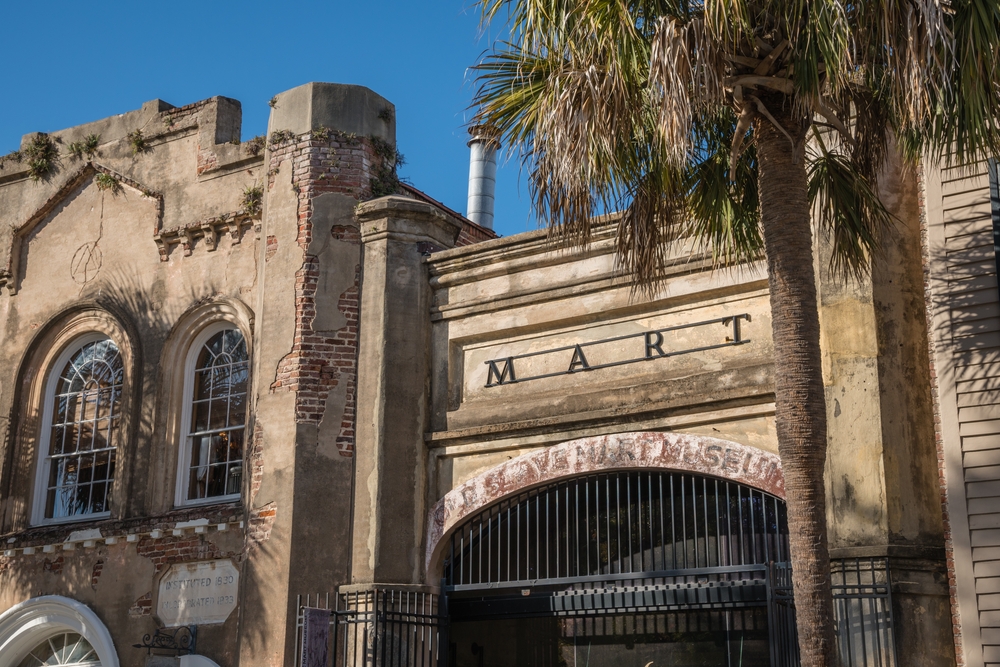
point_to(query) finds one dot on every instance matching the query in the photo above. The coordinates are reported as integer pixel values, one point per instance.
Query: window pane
(219, 412)
(234, 478)
(220, 409)
(237, 409)
(86, 414)
(202, 384)
(200, 416)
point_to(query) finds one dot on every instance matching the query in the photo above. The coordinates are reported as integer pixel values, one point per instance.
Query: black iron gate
(372, 628)
(669, 551)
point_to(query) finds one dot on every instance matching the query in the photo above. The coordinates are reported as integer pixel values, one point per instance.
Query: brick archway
(621, 451)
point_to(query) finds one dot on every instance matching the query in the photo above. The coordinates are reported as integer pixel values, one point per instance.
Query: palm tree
(731, 120)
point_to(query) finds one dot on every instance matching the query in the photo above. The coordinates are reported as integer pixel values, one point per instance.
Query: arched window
(79, 439)
(66, 649)
(214, 420)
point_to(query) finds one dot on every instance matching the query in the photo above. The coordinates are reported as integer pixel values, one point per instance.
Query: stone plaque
(197, 593)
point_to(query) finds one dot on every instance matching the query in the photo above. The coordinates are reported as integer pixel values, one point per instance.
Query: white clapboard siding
(965, 323)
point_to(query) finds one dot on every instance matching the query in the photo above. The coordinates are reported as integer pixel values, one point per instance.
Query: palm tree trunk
(800, 404)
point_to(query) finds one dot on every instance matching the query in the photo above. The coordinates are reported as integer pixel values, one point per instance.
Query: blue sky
(73, 62)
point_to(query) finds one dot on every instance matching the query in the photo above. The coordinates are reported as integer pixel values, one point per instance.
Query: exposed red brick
(53, 566)
(166, 551)
(473, 233)
(142, 607)
(96, 573)
(320, 360)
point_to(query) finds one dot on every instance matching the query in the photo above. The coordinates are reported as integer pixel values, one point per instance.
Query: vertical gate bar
(628, 518)
(694, 519)
(509, 540)
(489, 550)
(673, 527)
(607, 516)
(638, 515)
(597, 538)
(704, 498)
(649, 501)
(718, 528)
(684, 522)
(663, 532)
(517, 550)
(618, 519)
(336, 628)
(548, 534)
(461, 557)
(479, 548)
(538, 537)
(729, 527)
(763, 509)
(450, 570)
(753, 527)
(877, 606)
(772, 625)
(576, 526)
(739, 499)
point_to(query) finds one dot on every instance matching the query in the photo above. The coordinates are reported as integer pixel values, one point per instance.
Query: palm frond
(849, 208)
(966, 122)
(723, 208)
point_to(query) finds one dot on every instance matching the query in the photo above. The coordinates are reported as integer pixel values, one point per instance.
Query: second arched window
(215, 419)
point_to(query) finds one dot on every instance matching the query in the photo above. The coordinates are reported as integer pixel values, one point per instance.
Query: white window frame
(184, 455)
(38, 517)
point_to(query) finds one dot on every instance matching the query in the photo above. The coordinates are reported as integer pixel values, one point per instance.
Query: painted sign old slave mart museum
(263, 404)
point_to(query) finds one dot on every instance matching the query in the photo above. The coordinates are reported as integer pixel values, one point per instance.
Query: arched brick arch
(622, 451)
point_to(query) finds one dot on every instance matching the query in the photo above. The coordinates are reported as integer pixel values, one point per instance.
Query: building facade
(253, 413)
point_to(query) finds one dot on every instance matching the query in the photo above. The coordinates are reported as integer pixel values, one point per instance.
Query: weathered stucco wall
(521, 296)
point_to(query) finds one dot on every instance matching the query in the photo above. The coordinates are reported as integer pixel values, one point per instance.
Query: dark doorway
(680, 639)
(625, 568)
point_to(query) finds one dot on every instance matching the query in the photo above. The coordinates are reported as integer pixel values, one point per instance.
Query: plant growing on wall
(137, 141)
(107, 183)
(279, 137)
(256, 145)
(731, 121)
(253, 199)
(42, 156)
(87, 147)
(385, 179)
(320, 134)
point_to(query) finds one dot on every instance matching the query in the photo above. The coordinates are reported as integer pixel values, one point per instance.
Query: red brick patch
(96, 573)
(142, 607)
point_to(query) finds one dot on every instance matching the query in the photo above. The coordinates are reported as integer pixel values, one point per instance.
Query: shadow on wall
(116, 581)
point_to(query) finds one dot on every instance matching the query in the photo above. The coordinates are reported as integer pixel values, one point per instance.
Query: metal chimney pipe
(482, 174)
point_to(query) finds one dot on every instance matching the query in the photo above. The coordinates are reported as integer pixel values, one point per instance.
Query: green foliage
(385, 114)
(42, 156)
(385, 179)
(108, 183)
(616, 106)
(273, 102)
(137, 141)
(320, 134)
(253, 199)
(256, 145)
(279, 137)
(87, 147)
